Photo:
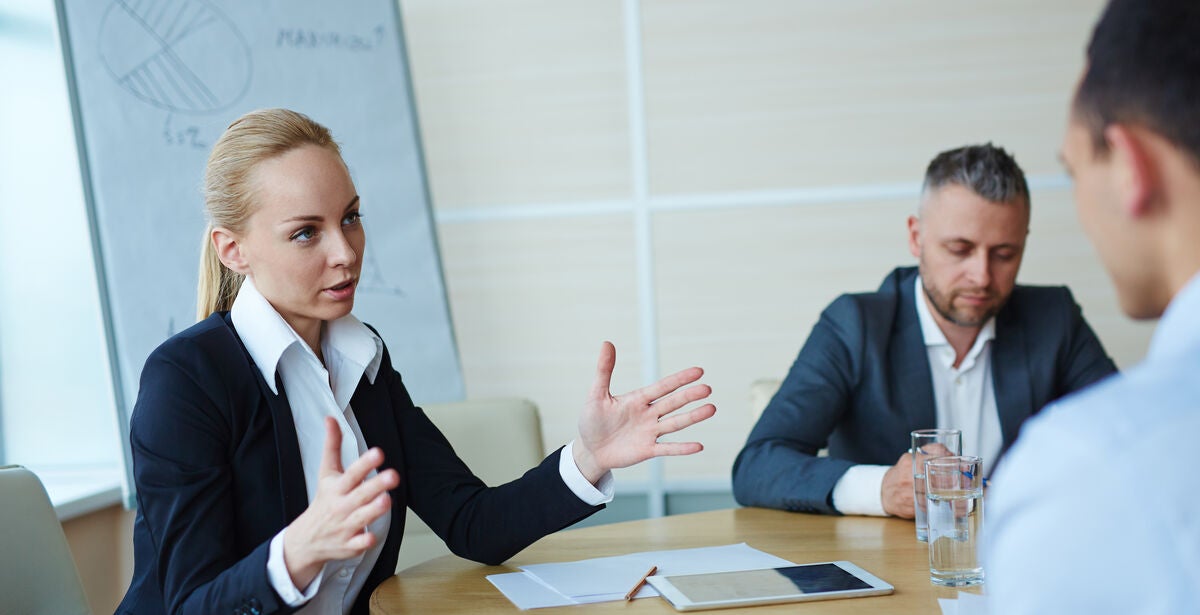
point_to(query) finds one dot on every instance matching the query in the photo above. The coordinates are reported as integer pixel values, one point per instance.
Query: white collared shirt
(964, 398)
(351, 351)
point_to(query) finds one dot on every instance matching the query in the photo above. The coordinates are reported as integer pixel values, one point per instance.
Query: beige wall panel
(520, 101)
(1058, 252)
(779, 94)
(739, 291)
(533, 300)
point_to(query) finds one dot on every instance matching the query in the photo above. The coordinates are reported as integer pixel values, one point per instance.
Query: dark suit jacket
(217, 467)
(862, 382)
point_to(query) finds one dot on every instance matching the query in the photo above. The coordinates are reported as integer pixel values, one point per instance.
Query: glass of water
(954, 493)
(928, 444)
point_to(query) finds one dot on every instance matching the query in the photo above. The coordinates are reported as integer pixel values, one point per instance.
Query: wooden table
(888, 548)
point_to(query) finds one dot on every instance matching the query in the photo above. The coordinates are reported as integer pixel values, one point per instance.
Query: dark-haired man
(952, 343)
(1095, 509)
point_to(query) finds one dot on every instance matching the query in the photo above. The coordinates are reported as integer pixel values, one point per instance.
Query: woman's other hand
(334, 525)
(620, 431)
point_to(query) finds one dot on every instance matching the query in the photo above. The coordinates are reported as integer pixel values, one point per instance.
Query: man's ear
(229, 250)
(1134, 177)
(914, 236)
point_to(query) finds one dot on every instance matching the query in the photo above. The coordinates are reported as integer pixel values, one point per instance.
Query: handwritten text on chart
(306, 38)
(182, 136)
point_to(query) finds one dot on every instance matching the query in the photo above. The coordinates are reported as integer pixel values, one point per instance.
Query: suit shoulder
(886, 297)
(212, 338)
(188, 385)
(1031, 304)
(1027, 293)
(864, 305)
(204, 361)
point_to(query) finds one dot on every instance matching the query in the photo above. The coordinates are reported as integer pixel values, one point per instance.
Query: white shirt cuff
(594, 495)
(281, 581)
(860, 491)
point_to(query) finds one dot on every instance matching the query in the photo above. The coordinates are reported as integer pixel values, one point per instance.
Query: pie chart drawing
(180, 55)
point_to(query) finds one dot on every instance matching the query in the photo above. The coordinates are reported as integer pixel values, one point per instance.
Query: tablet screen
(811, 579)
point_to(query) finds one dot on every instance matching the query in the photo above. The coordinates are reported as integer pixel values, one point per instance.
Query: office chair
(37, 574)
(499, 439)
(761, 392)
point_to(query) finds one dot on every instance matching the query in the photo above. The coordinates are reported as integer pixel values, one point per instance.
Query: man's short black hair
(1143, 68)
(987, 170)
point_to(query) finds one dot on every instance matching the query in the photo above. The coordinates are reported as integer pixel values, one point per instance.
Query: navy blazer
(862, 382)
(218, 473)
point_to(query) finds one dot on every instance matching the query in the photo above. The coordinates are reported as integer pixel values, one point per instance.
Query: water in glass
(955, 520)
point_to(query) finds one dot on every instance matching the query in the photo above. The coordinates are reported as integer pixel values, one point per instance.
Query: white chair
(761, 392)
(37, 573)
(499, 439)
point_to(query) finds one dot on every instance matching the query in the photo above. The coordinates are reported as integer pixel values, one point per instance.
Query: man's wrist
(860, 491)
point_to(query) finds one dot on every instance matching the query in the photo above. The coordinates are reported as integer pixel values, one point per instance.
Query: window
(56, 405)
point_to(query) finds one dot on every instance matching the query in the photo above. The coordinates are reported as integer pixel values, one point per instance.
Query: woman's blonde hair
(228, 193)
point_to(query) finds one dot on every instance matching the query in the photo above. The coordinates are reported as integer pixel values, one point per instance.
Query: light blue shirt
(1096, 509)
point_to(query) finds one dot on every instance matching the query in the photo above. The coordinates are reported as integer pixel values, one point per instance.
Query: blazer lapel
(287, 447)
(910, 361)
(376, 418)
(292, 485)
(374, 413)
(1010, 377)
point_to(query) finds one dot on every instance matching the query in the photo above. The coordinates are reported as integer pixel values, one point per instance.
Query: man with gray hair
(951, 343)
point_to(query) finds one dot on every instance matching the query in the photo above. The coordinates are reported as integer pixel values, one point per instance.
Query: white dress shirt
(315, 391)
(964, 398)
(1093, 509)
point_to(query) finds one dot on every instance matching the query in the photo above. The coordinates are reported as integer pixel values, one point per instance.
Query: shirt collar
(1178, 329)
(268, 336)
(933, 333)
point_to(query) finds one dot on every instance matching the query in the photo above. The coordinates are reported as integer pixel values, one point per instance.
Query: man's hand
(897, 489)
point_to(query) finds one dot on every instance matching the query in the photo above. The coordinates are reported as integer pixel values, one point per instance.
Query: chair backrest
(499, 439)
(761, 392)
(37, 574)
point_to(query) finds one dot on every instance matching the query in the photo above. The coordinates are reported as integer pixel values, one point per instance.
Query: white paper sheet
(966, 604)
(608, 578)
(526, 593)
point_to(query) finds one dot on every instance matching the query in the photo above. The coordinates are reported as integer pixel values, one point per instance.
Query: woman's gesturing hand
(334, 525)
(620, 431)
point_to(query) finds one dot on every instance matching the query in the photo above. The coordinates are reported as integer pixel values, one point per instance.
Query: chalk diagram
(186, 56)
(180, 55)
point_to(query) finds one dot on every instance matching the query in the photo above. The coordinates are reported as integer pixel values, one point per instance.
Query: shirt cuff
(281, 581)
(860, 491)
(593, 495)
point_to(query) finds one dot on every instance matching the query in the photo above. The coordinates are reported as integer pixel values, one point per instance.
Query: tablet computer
(820, 581)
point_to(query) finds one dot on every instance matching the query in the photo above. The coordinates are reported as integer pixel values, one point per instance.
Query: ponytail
(218, 285)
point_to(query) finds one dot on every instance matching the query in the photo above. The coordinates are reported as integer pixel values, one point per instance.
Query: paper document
(966, 604)
(608, 578)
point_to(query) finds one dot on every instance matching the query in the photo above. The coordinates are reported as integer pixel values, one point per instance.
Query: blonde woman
(275, 448)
